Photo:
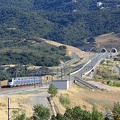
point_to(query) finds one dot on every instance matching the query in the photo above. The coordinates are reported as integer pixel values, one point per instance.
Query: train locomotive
(18, 81)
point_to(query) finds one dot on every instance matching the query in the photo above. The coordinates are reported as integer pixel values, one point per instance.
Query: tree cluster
(34, 55)
(77, 113)
(55, 20)
(42, 113)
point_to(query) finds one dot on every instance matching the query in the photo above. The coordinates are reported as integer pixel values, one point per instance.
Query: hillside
(36, 56)
(78, 95)
(64, 21)
(31, 51)
(108, 41)
(69, 50)
(86, 98)
(104, 74)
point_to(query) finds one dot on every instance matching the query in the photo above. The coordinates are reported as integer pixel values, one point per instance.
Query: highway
(89, 66)
(86, 69)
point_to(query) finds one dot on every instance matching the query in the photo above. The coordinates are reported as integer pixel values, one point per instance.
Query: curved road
(89, 66)
(86, 69)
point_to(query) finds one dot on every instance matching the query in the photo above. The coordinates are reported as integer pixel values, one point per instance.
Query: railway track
(87, 84)
(19, 89)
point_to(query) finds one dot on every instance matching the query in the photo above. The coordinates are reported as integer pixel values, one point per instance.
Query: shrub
(52, 90)
(65, 101)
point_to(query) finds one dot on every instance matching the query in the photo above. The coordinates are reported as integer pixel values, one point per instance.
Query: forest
(64, 21)
(29, 52)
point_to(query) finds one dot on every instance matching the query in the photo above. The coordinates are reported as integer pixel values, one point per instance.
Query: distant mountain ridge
(64, 21)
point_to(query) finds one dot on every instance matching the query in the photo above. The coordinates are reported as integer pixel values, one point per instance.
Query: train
(19, 81)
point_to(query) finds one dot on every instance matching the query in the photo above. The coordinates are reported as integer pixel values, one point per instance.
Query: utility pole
(61, 73)
(57, 73)
(119, 70)
(69, 76)
(25, 69)
(70, 73)
(52, 74)
(89, 54)
(9, 108)
(34, 78)
(64, 70)
(16, 70)
(0, 83)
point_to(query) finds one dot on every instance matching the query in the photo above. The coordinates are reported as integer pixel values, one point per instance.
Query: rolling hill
(64, 21)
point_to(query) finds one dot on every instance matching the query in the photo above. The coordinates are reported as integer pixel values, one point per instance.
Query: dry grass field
(16, 101)
(84, 97)
(78, 95)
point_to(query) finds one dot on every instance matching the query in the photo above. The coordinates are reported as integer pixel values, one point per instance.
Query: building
(99, 4)
(60, 84)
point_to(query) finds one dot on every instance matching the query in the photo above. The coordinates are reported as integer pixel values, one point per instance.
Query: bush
(65, 101)
(41, 113)
(108, 82)
(52, 90)
(115, 83)
(97, 77)
(102, 62)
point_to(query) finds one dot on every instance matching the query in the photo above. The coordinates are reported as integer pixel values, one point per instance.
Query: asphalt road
(88, 67)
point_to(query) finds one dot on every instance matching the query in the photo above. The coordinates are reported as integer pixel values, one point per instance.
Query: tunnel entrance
(103, 50)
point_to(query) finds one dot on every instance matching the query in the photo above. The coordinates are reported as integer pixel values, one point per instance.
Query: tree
(116, 108)
(53, 117)
(106, 118)
(41, 113)
(118, 117)
(86, 115)
(77, 113)
(95, 114)
(69, 114)
(52, 90)
(91, 40)
(59, 116)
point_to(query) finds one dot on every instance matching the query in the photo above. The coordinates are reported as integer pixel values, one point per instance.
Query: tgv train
(18, 81)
